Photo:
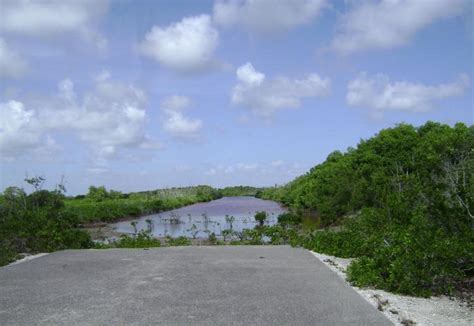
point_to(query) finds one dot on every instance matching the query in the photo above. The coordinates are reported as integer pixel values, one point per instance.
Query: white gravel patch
(406, 310)
(27, 258)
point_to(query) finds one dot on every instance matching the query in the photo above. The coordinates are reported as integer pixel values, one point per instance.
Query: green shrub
(7, 254)
(154, 205)
(402, 203)
(227, 234)
(179, 241)
(416, 258)
(37, 222)
(142, 239)
(212, 238)
(252, 236)
(261, 217)
(276, 233)
(289, 219)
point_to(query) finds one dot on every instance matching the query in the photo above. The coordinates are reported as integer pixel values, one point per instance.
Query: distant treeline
(239, 191)
(174, 192)
(405, 201)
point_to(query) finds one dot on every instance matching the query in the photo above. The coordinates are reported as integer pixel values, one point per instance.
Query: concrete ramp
(220, 285)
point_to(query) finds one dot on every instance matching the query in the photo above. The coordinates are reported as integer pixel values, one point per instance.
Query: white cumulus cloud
(108, 118)
(181, 126)
(266, 16)
(186, 46)
(386, 24)
(175, 122)
(175, 102)
(380, 94)
(16, 128)
(266, 96)
(11, 63)
(20, 131)
(248, 75)
(50, 17)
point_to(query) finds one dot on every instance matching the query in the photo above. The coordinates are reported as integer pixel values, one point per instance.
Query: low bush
(417, 258)
(37, 222)
(289, 219)
(7, 254)
(401, 202)
(252, 236)
(179, 241)
(142, 239)
(261, 217)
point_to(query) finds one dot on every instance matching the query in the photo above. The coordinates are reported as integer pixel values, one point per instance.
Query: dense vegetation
(37, 222)
(405, 200)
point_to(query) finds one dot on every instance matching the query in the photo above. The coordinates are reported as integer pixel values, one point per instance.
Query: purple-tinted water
(207, 217)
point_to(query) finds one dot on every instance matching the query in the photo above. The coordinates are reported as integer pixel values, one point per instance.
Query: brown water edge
(101, 231)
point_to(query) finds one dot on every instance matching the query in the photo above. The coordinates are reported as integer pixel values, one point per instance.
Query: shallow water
(207, 217)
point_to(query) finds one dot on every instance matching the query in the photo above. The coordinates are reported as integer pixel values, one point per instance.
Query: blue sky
(138, 95)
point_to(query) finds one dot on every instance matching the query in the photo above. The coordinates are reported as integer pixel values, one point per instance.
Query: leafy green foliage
(206, 193)
(424, 258)
(289, 219)
(37, 222)
(179, 241)
(405, 200)
(142, 239)
(239, 191)
(261, 217)
(226, 234)
(7, 254)
(97, 193)
(252, 236)
(276, 233)
(212, 238)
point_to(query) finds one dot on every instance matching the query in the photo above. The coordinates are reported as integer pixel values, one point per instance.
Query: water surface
(206, 217)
